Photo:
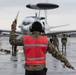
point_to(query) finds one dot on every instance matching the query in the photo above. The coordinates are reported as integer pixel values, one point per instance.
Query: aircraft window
(26, 23)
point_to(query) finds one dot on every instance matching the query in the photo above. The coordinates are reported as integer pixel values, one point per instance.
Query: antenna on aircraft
(46, 14)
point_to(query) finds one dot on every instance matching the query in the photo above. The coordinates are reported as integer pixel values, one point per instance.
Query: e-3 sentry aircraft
(27, 22)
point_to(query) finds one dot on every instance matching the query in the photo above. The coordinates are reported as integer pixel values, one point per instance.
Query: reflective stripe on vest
(40, 45)
(35, 58)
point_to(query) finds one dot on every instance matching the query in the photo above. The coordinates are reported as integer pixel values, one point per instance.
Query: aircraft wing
(5, 30)
(59, 32)
(50, 33)
(18, 32)
(8, 31)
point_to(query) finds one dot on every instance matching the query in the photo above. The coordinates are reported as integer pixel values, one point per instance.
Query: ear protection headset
(36, 26)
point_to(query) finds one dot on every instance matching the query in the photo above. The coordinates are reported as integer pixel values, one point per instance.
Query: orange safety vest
(35, 49)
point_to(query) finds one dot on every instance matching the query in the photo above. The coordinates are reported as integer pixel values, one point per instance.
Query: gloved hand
(67, 64)
(13, 26)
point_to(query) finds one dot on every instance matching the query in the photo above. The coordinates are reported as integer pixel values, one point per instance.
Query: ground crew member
(64, 41)
(55, 41)
(35, 47)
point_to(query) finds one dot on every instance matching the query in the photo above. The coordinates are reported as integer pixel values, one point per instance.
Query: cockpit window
(28, 20)
(26, 23)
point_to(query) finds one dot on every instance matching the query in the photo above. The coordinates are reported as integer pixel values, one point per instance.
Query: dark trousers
(41, 72)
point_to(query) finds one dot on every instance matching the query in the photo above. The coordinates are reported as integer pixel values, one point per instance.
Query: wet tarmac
(55, 67)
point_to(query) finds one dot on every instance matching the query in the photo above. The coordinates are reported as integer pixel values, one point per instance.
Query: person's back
(37, 46)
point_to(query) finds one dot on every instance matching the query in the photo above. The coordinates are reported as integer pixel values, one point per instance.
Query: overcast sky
(65, 14)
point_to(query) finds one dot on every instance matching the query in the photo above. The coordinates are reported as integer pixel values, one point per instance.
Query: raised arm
(13, 36)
